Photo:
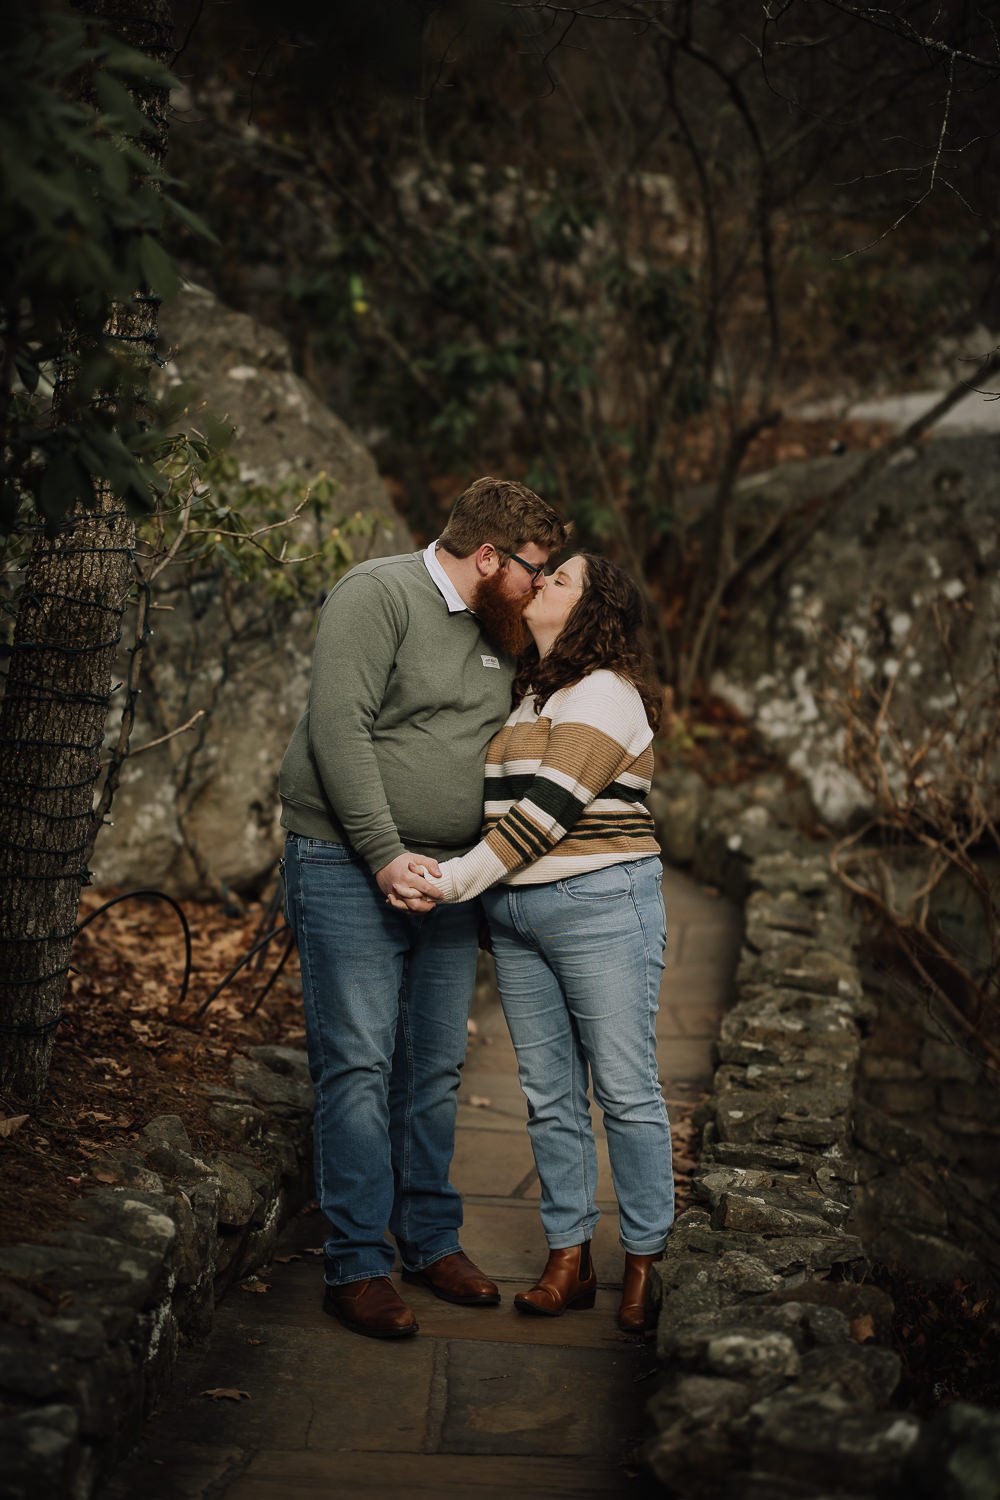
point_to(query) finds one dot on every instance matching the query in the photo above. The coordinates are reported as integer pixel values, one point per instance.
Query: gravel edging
(92, 1322)
(776, 1381)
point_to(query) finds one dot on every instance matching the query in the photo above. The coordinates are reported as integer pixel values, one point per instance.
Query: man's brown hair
(502, 512)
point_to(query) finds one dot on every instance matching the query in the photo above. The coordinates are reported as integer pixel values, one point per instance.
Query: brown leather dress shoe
(568, 1281)
(632, 1314)
(372, 1307)
(454, 1278)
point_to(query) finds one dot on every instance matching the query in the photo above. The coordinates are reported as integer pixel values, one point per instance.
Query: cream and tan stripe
(564, 790)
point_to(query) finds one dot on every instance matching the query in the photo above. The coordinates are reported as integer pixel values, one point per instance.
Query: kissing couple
(478, 745)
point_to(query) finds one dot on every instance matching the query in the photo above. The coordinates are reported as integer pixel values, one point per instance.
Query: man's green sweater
(404, 700)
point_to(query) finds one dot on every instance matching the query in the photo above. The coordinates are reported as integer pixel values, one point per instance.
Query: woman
(570, 880)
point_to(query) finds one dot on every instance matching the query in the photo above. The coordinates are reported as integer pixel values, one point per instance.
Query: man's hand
(415, 893)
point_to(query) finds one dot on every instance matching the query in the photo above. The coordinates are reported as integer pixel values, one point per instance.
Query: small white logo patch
(490, 661)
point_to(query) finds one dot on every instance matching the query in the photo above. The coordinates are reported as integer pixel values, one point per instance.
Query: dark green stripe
(521, 852)
(555, 800)
(625, 793)
(583, 834)
(527, 831)
(593, 819)
(508, 788)
(513, 788)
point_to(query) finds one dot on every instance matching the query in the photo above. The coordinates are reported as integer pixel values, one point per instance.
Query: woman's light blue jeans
(387, 999)
(579, 963)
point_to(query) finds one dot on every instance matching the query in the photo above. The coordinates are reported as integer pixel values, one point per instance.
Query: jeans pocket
(322, 852)
(613, 883)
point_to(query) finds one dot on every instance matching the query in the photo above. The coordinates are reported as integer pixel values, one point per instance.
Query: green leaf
(144, 485)
(192, 220)
(117, 103)
(174, 403)
(131, 63)
(64, 483)
(98, 371)
(217, 433)
(114, 169)
(158, 269)
(99, 452)
(158, 483)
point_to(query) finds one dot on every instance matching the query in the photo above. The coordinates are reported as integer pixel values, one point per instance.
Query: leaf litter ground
(126, 1052)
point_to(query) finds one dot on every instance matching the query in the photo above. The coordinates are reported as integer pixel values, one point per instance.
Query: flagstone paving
(483, 1402)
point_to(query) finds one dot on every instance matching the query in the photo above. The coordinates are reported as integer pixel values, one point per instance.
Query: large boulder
(922, 537)
(243, 371)
(200, 812)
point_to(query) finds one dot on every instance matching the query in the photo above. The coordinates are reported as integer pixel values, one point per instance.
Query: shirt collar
(446, 588)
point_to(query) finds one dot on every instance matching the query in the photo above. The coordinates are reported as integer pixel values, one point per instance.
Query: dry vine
(934, 788)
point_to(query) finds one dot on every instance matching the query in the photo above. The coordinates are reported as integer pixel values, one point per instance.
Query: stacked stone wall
(776, 1376)
(91, 1322)
(927, 1125)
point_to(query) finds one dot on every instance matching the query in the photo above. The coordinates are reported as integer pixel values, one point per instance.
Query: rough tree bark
(58, 690)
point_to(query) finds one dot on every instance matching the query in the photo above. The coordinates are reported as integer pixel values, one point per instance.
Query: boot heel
(583, 1300)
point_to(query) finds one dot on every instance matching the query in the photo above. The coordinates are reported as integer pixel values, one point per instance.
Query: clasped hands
(410, 882)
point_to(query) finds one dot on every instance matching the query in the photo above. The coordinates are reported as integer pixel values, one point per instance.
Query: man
(384, 774)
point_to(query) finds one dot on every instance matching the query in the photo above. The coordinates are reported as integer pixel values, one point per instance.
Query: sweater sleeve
(359, 635)
(598, 728)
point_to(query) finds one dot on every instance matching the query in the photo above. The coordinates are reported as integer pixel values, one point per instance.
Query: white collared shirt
(446, 588)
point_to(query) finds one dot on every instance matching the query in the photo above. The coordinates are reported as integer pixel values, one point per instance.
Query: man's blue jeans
(579, 963)
(387, 999)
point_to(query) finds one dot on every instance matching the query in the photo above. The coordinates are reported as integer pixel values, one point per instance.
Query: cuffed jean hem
(358, 1276)
(571, 1238)
(438, 1255)
(648, 1247)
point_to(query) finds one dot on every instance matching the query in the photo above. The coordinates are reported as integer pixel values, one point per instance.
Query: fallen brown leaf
(863, 1328)
(226, 1393)
(253, 1284)
(11, 1123)
(478, 1101)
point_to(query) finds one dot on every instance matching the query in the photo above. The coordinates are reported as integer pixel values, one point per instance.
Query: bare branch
(163, 738)
(897, 26)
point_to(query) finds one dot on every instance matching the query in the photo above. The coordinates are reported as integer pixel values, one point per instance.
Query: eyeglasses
(535, 571)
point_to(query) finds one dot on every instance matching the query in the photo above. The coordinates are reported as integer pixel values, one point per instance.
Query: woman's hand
(418, 890)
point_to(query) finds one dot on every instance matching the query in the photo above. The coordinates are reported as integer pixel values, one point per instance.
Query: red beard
(500, 615)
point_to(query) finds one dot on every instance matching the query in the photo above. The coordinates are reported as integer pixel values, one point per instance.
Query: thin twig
(162, 739)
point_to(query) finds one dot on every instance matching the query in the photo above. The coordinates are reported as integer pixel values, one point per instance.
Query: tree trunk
(53, 714)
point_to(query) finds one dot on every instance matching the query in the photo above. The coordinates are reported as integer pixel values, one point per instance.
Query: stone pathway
(484, 1403)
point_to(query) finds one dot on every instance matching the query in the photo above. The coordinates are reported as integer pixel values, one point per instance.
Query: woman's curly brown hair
(605, 629)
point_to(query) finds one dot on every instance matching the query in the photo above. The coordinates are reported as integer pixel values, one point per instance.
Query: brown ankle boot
(632, 1312)
(569, 1280)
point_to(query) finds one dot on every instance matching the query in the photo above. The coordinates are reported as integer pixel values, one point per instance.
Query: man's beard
(501, 616)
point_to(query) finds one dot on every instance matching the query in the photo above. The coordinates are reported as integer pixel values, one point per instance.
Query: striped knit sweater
(565, 790)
